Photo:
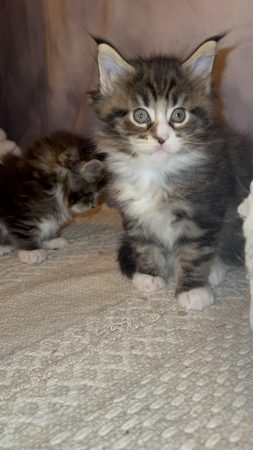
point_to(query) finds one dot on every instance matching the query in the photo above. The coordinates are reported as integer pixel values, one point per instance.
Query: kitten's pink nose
(160, 140)
(162, 132)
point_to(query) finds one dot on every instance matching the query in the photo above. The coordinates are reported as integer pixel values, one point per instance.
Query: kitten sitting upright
(56, 175)
(176, 172)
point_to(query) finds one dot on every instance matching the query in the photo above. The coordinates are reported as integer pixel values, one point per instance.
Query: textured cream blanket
(89, 363)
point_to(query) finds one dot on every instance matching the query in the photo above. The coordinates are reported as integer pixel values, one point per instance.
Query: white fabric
(87, 362)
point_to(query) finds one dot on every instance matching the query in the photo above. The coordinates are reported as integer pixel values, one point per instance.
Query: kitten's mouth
(160, 150)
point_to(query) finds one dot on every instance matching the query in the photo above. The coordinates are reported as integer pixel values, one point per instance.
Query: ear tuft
(112, 67)
(200, 63)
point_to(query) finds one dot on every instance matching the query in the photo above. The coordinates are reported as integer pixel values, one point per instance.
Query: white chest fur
(142, 194)
(142, 186)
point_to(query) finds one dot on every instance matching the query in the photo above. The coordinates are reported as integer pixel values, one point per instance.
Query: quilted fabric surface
(89, 363)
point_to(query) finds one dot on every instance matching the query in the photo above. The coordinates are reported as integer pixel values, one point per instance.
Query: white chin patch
(32, 256)
(196, 299)
(148, 283)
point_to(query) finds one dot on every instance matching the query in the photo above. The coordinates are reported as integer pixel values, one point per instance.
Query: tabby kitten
(176, 172)
(55, 176)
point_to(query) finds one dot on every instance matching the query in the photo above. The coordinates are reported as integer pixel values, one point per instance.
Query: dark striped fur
(195, 201)
(52, 178)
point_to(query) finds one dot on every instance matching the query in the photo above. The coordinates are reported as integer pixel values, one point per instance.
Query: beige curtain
(48, 60)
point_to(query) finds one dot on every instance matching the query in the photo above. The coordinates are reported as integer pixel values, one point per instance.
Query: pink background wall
(48, 61)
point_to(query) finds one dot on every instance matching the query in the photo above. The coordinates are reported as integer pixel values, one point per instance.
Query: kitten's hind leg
(145, 264)
(193, 265)
(217, 272)
(55, 244)
(32, 256)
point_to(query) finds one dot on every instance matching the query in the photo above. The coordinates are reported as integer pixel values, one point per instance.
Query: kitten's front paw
(148, 283)
(55, 244)
(32, 256)
(6, 249)
(196, 299)
(218, 273)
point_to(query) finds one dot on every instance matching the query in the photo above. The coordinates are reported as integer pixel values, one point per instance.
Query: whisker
(193, 143)
(201, 143)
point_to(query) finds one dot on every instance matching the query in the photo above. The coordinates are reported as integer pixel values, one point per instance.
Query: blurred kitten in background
(55, 176)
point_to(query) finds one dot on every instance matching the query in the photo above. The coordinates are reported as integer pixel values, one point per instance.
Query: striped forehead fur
(155, 80)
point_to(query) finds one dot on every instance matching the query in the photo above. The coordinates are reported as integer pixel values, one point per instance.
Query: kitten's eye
(178, 115)
(141, 116)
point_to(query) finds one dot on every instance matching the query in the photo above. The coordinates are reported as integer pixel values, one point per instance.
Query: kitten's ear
(112, 67)
(92, 171)
(200, 63)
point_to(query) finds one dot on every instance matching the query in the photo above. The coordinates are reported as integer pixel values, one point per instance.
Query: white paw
(6, 249)
(32, 256)
(55, 244)
(196, 299)
(148, 283)
(218, 273)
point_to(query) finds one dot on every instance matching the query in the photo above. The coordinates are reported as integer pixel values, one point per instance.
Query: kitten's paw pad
(148, 283)
(196, 299)
(217, 274)
(6, 249)
(55, 244)
(32, 256)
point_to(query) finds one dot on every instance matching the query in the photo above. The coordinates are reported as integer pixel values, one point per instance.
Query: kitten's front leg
(217, 273)
(144, 263)
(192, 269)
(26, 241)
(39, 255)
